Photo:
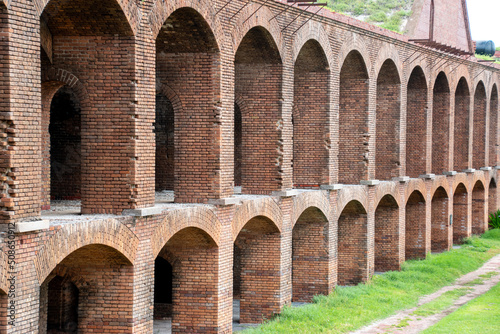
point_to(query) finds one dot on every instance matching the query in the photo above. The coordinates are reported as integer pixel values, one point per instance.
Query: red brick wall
(387, 161)
(353, 120)
(441, 238)
(493, 148)
(259, 265)
(415, 239)
(461, 129)
(460, 226)
(195, 281)
(416, 124)
(440, 125)
(492, 197)
(479, 222)
(238, 137)
(352, 245)
(258, 72)
(310, 117)
(310, 256)
(387, 237)
(479, 136)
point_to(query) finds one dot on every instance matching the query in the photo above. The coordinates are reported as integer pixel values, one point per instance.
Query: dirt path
(407, 322)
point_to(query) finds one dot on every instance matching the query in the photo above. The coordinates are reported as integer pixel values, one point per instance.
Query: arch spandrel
(388, 52)
(415, 185)
(440, 182)
(458, 179)
(387, 188)
(349, 194)
(354, 42)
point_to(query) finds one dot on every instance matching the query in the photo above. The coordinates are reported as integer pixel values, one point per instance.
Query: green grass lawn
(479, 316)
(349, 308)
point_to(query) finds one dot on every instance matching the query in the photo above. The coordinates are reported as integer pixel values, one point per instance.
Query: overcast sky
(484, 20)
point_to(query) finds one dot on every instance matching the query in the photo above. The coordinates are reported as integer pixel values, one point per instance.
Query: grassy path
(350, 308)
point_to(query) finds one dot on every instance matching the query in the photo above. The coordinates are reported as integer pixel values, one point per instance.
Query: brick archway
(251, 209)
(69, 238)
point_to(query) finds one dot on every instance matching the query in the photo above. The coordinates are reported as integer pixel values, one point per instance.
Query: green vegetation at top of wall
(388, 14)
(483, 57)
(349, 308)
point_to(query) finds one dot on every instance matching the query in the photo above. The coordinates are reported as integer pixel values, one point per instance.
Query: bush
(495, 220)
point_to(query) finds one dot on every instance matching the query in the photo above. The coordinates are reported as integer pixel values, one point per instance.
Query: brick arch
(485, 78)
(424, 66)
(307, 200)
(64, 77)
(460, 179)
(202, 218)
(346, 195)
(435, 74)
(262, 18)
(479, 177)
(415, 185)
(266, 207)
(385, 53)
(128, 7)
(440, 182)
(170, 94)
(353, 42)
(387, 188)
(315, 31)
(461, 72)
(71, 237)
(161, 11)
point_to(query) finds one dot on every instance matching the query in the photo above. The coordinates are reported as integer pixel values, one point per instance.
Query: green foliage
(483, 57)
(495, 220)
(388, 14)
(352, 307)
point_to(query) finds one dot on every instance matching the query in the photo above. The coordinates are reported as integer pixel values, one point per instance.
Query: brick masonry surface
(106, 102)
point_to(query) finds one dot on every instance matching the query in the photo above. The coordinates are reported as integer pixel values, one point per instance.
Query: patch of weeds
(489, 274)
(403, 323)
(476, 281)
(441, 303)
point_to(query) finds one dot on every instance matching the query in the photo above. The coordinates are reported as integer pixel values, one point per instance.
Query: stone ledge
(470, 170)
(402, 179)
(369, 182)
(428, 176)
(337, 186)
(32, 226)
(144, 212)
(224, 201)
(497, 167)
(450, 173)
(485, 168)
(286, 193)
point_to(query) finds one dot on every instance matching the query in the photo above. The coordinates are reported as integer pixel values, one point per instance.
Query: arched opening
(310, 256)
(256, 271)
(353, 245)
(188, 63)
(65, 146)
(416, 124)
(493, 149)
(258, 83)
(440, 125)
(479, 136)
(461, 225)
(387, 162)
(62, 306)
(165, 147)
(441, 236)
(492, 197)
(461, 132)
(93, 43)
(353, 120)
(388, 253)
(479, 221)
(311, 107)
(186, 283)
(416, 227)
(91, 290)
